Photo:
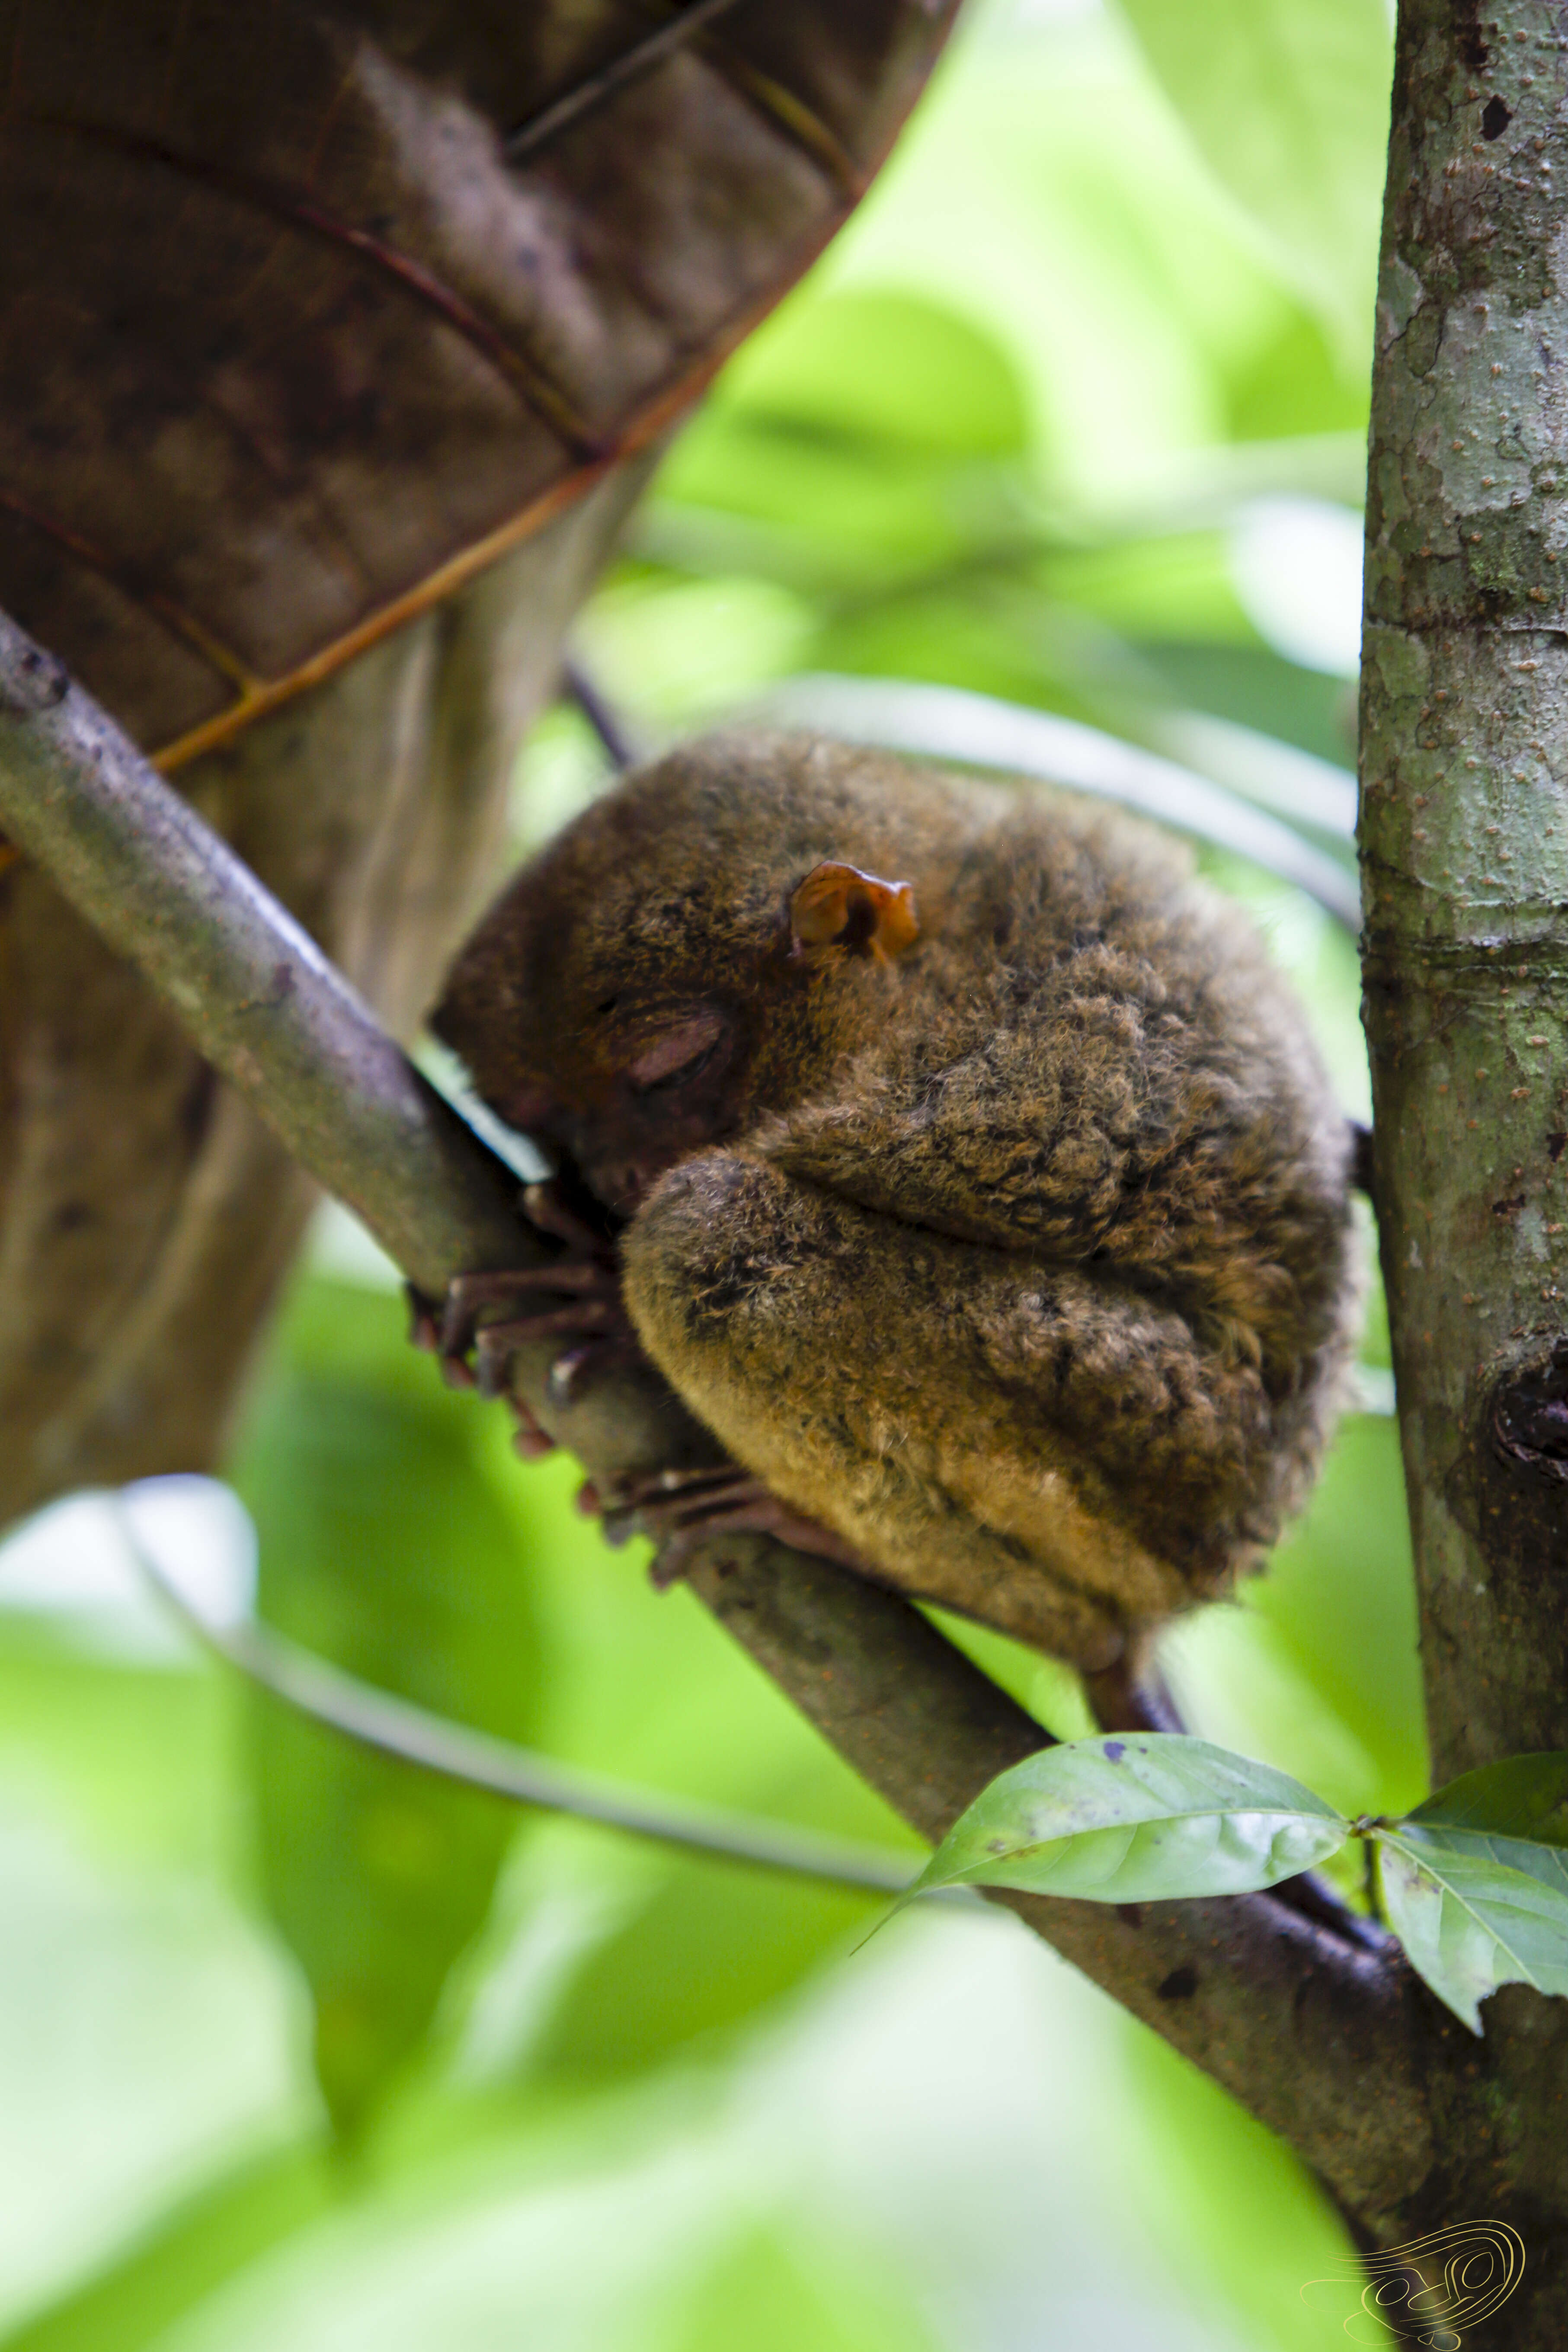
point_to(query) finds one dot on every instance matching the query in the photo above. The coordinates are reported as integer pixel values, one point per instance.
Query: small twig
(629, 67)
(396, 1726)
(978, 730)
(606, 722)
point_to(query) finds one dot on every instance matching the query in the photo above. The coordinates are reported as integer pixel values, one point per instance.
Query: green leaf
(1504, 1821)
(1294, 384)
(1287, 101)
(382, 1546)
(1141, 1819)
(1514, 1812)
(1524, 1798)
(1467, 1921)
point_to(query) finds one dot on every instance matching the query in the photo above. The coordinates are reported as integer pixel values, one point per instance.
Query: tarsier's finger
(567, 1274)
(496, 1342)
(666, 1487)
(472, 1292)
(660, 1509)
(659, 1487)
(424, 1319)
(467, 1296)
(753, 1512)
(530, 1443)
(583, 1316)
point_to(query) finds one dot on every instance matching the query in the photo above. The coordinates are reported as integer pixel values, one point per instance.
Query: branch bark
(1289, 2019)
(145, 1214)
(1465, 863)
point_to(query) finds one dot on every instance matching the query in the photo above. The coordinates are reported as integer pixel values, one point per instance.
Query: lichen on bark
(1464, 835)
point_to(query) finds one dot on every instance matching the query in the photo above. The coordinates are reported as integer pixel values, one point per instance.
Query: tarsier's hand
(576, 1300)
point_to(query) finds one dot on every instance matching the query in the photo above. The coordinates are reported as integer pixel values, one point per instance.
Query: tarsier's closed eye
(837, 906)
(678, 1054)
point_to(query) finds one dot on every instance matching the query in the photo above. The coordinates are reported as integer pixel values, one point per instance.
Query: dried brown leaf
(307, 314)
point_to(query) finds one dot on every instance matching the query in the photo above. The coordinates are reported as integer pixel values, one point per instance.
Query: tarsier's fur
(1023, 1261)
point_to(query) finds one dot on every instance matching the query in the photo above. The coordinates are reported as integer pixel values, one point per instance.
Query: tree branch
(1299, 2025)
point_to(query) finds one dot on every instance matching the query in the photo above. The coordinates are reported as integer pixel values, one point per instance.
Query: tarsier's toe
(428, 1323)
(680, 1509)
(485, 1318)
(574, 1300)
(530, 1443)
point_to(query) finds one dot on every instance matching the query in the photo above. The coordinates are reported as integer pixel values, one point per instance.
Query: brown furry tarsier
(974, 1180)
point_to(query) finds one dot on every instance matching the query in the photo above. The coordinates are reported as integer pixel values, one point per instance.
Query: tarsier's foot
(576, 1300)
(681, 1508)
(1126, 1697)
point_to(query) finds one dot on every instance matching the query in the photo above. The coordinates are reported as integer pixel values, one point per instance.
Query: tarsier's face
(663, 1083)
(643, 1029)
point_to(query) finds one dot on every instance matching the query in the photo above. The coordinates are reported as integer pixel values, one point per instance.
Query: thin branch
(978, 730)
(602, 717)
(1284, 2014)
(1292, 2020)
(396, 1727)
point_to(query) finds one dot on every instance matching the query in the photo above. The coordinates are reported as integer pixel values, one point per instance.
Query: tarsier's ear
(837, 906)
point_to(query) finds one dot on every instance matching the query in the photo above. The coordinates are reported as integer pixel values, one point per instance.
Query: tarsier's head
(705, 941)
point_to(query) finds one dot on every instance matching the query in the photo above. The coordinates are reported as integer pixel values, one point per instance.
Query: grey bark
(145, 1215)
(1465, 863)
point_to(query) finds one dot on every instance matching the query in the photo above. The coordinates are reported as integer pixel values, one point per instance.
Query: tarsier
(974, 1178)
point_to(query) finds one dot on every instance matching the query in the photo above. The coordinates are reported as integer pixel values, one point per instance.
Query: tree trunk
(1465, 866)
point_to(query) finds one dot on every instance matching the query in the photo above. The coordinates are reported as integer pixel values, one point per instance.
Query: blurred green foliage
(1104, 319)
(1288, 106)
(765, 2294)
(384, 1547)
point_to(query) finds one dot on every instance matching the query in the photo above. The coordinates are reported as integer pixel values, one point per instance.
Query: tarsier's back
(1002, 1227)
